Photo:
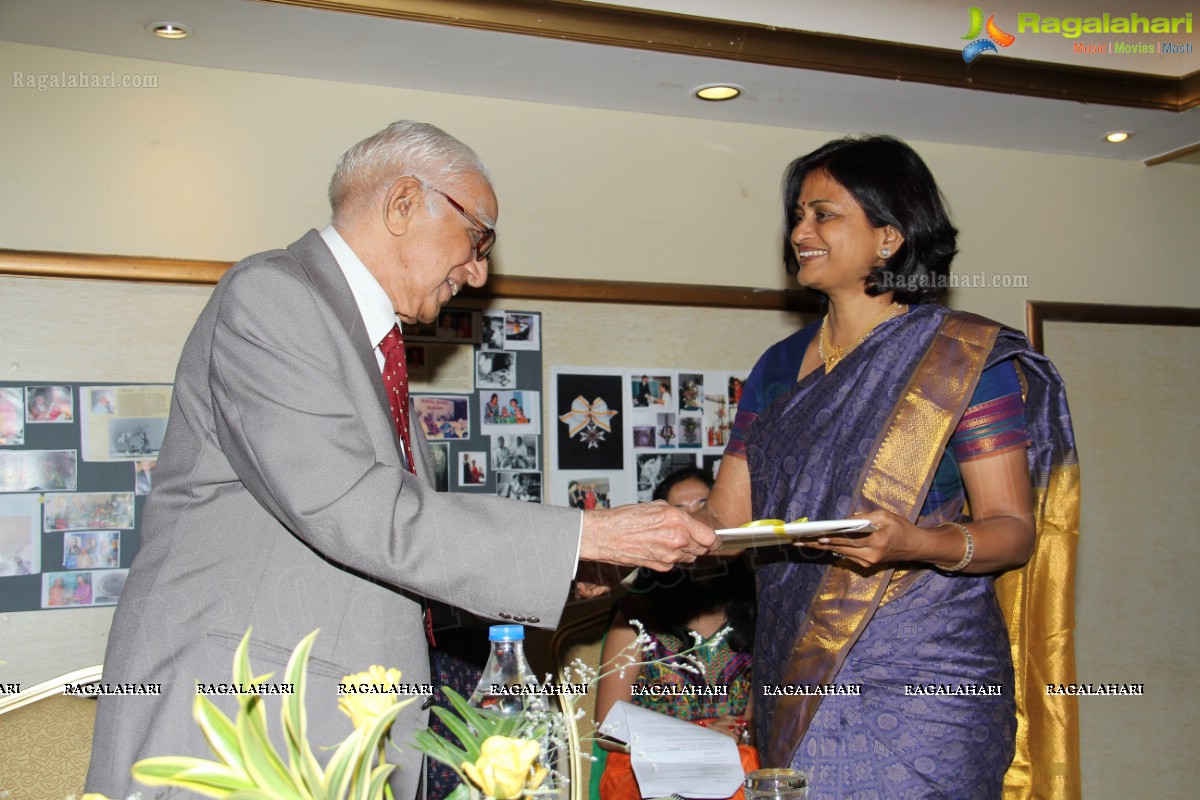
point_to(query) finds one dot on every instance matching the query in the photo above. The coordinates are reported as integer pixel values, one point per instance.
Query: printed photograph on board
(591, 428)
(108, 585)
(64, 589)
(665, 434)
(691, 430)
(441, 465)
(644, 436)
(512, 412)
(492, 337)
(515, 452)
(588, 493)
(20, 535)
(444, 417)
(38, 470)
(524, 486)
(472, 468)
(691, 391)
(719, 411)
(143, 476)
(49, 404)
(522, 331)
(91, 549)
(653, 467)
(495, 369)
(87, 510)
(123, 423)
(12, 416)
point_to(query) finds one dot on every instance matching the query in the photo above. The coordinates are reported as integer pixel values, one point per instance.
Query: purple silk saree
(929, 653)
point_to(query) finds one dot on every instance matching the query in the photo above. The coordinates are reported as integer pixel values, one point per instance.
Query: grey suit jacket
(281, 503)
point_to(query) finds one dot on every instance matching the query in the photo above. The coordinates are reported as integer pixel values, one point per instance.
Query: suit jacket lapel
(327, 277)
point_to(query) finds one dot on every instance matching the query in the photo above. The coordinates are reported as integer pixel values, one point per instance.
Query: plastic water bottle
(508, 686)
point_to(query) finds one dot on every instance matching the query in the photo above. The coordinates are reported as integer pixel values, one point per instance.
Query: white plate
(761, 535)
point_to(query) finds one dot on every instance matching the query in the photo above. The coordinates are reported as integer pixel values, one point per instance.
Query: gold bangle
(966, 559)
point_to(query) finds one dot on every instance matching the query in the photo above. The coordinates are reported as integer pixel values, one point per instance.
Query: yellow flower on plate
(505, 768)
(364, 707)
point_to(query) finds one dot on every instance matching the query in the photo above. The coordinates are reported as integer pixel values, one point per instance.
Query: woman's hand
(1002, 530)
(733, 727)
(894, 539)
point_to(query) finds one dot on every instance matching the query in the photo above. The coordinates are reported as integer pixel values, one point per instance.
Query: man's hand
(593, 579)
(653, 535)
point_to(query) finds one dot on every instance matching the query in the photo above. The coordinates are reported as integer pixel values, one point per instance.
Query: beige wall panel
(216, 164)
(1133, 390)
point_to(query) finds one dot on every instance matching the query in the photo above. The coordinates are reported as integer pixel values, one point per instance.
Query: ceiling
(873, 65)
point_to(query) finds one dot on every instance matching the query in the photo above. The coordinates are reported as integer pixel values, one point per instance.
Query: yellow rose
(365, 707)
(505, 768)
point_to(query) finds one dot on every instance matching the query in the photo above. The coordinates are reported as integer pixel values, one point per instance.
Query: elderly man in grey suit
(284, 500)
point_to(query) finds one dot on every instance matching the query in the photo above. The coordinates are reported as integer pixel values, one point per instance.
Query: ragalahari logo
(994, 37)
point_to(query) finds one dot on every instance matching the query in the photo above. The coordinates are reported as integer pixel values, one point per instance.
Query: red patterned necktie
(395, 382)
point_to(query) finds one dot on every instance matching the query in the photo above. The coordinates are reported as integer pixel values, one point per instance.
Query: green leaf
(480, 720)
(305, 769)
(470, 740)
(250, 794)
(508, 726)
(243, 674)
(379, 729)
(261, 761)
(195, 774)
(341, 767)
(379, 780)
(461, 792)
(440, 749)
(219, 731)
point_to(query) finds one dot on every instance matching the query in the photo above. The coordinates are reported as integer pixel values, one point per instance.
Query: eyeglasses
(487, 237)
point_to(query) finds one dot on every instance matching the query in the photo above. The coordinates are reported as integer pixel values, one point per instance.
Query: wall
(1132, 403)
(217, 164)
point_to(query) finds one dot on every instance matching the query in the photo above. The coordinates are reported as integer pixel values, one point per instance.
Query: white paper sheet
(671, 756)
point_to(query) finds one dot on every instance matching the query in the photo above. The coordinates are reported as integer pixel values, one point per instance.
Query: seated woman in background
(701, 599)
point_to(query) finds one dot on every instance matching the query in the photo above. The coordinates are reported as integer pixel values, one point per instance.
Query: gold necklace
(831, 355)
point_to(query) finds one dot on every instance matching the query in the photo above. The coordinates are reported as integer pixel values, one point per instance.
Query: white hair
(419, 149)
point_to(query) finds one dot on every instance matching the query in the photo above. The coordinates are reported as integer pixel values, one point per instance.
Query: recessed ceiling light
(1116, 137)
(718, 92)
(169, 30)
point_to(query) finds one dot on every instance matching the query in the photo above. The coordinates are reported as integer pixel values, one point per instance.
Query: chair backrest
(582, 638)
(46, 739)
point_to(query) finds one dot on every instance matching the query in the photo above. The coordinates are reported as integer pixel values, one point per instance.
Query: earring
(886, 252)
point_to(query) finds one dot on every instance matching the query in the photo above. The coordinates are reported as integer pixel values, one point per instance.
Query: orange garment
(619, 783)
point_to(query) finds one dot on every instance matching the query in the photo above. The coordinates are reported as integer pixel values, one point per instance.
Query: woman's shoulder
(784, 356)
(794, 344)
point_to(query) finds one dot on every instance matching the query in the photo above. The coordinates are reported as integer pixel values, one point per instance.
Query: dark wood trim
(573, 20)
(83, 266)
(1038, 312)
(1173, 155)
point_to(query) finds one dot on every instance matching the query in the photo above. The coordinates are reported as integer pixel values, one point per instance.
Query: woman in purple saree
(908, 414)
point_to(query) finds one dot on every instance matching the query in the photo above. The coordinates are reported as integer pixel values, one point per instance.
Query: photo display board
(480, 405)
(77, 460)
(76, 463)
(619, 432)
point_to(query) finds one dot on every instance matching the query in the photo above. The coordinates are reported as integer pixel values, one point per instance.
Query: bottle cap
(506, 633)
